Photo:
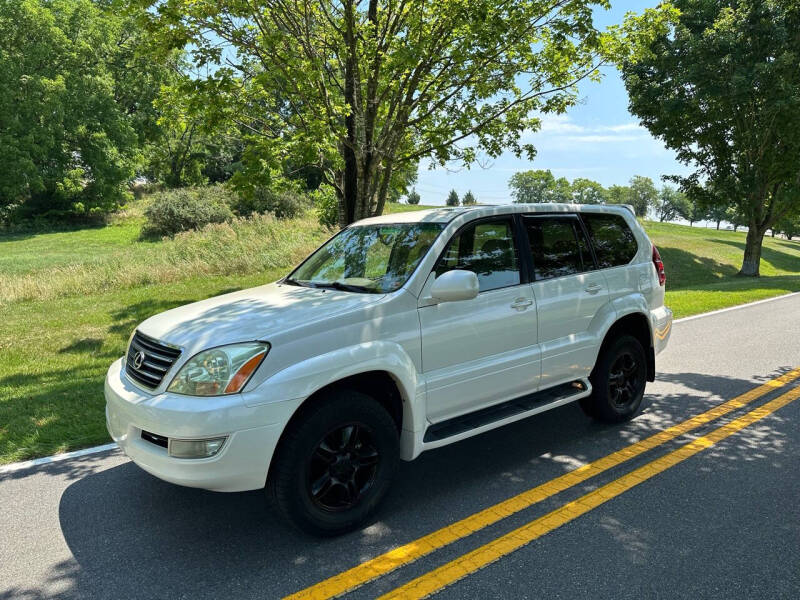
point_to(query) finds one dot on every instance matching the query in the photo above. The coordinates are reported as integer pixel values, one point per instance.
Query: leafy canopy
(66, 141)
(360, 88)
(719, 83)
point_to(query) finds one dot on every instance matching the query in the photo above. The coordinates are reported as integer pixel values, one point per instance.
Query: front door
(479, 352)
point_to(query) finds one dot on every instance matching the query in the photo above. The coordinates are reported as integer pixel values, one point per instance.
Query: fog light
(195, 448)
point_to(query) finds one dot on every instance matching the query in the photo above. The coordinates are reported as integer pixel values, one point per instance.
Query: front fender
(301, 380)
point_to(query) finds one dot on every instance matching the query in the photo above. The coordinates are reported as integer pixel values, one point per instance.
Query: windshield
(368, 258)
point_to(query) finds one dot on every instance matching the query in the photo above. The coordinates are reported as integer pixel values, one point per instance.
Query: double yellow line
(480, 557)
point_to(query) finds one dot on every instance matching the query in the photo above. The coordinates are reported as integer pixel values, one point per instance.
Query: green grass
(69, 300)
(701, 266)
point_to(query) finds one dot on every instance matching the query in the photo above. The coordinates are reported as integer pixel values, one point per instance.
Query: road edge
(19, 466)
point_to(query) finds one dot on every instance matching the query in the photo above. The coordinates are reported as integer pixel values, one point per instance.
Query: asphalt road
(724, 523)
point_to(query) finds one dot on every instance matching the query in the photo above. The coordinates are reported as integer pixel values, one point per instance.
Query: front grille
(157, 359)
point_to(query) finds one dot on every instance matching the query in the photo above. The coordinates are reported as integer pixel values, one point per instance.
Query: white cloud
(560, 132)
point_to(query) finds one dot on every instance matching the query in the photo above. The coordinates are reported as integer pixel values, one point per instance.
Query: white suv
(402, 333)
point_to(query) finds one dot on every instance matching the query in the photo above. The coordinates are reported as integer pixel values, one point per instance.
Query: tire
(618, 381)
(334, 464)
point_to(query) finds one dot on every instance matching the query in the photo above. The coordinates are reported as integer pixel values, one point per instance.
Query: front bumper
(252, 433)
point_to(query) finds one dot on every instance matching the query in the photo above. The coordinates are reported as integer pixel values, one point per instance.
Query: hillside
(69, 301)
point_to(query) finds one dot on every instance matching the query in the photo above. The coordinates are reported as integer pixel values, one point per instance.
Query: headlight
(219, 371)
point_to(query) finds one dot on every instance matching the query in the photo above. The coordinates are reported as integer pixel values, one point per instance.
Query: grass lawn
(69, 301)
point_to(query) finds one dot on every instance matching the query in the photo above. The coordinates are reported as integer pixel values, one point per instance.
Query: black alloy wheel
(624, 381)
(618, 381)
(334, 463)
(343, 467)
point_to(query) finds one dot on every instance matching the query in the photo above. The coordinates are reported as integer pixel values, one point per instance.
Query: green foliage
(402, 178)
(362, 90)
(69, 127)
(671, 204)
(697, 211)
(586, 191)
(718, 84)
(643, 195)
(283, 204)
(413, 197)
(326, 205)
(532, 187)
(452, 199)
(469, 199)
(788, 226)
(186, 209)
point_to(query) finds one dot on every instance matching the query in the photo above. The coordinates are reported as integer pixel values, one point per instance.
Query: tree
(697, 212)
(469, 199)
(643, 195)
(719, 86)
(67, 139)
(586, 191)
(735, 218)
(717, 213)
(562, 191)
(452, 199)
(532, 187)
(789, 226)
(361, 88)
(413, 197)
(619, 194)
(672, 204)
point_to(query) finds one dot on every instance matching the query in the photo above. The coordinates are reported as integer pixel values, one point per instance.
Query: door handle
(521, 303)
(594, 288)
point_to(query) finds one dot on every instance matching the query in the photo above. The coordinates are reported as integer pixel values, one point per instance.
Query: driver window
(488, 250)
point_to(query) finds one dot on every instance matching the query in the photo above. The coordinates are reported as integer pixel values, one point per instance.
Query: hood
(247, 315)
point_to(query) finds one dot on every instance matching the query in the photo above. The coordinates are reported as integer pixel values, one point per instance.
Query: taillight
(662, 276)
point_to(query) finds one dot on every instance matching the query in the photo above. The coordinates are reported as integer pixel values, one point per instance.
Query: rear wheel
(618, 381)
(335, 463)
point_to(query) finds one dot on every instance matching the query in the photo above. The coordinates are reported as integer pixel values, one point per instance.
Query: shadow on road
(133, 535)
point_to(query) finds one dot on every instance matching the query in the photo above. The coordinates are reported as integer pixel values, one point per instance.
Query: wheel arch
(637, 325)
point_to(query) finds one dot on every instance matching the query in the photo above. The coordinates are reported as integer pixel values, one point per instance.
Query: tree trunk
(752, 251)
(718, 222)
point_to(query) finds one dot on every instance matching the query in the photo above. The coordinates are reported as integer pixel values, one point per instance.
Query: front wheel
(618, 381)
(335, 463)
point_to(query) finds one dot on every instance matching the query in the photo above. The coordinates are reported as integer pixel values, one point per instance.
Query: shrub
(326, 205)
(185, 209)
(413, 197)
(281, 204)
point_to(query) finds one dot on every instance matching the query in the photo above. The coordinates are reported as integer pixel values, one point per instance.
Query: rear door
(481, 351)
(569, 291)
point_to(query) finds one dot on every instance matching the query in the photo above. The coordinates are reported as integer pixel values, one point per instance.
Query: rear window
(558, 247)
(613, 241)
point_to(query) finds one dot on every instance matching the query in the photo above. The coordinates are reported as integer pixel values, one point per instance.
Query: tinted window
(613, 240)
(558, 247)
(488, 250)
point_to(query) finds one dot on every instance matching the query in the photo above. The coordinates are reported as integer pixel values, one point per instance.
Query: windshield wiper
(290, 281)
(346, 287)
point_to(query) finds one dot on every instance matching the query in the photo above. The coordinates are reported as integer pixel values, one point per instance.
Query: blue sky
(597, 139)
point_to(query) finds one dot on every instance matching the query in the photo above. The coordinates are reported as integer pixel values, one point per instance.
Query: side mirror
(455, 285)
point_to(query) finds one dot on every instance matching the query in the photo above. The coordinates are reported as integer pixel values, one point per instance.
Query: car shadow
(133, 535)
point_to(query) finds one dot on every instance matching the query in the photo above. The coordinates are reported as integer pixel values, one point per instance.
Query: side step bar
(505, 412)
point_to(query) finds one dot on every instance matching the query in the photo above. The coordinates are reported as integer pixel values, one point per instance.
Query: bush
(185, 209)
(413, 197)
(261, 200)
(326, 205)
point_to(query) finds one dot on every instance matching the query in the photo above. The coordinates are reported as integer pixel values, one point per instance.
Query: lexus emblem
(138, 360)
